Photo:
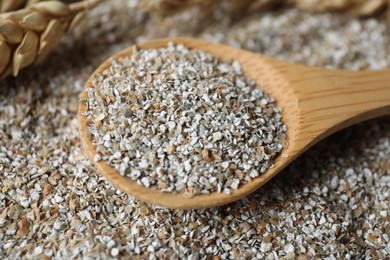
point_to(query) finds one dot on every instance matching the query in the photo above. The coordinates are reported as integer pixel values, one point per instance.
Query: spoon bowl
(315, 103)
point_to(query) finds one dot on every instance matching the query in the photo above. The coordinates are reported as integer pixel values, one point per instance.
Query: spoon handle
(330, 100)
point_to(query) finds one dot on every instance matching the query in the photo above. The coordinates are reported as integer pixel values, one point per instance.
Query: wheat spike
(356, 7)
(28, 35)
(12, 5)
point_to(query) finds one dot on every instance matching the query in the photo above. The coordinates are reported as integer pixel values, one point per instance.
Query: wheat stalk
(29, 34)
(356, 7)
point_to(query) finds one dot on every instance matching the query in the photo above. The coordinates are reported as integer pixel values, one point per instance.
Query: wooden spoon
(315, 102)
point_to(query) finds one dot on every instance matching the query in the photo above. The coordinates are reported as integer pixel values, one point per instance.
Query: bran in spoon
(181, 120)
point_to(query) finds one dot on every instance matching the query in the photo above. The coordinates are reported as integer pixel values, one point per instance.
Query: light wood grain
(315, 102)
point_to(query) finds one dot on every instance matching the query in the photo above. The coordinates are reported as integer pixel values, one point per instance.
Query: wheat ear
(356, 7)
(13, 5)
(29, 34)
